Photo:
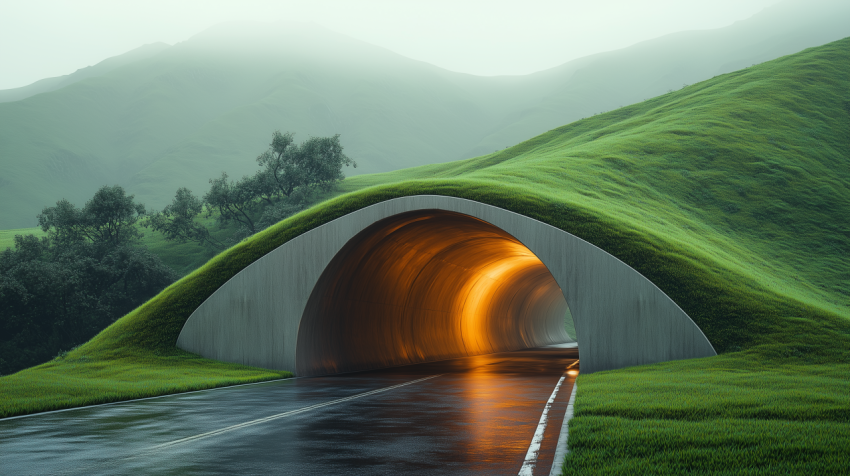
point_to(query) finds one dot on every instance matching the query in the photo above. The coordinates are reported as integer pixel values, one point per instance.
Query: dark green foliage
(58, 291)
(178, 221)
(291, 174)
(233, 202)
(289, 177)
(107, 219)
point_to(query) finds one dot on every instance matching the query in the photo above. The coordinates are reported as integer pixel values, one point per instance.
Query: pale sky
(41, 38)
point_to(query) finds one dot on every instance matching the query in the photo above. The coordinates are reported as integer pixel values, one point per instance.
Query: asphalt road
(475, 415)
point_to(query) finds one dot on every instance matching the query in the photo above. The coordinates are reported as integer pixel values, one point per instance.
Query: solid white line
(561, 450)
(533, 449)
(281, 415)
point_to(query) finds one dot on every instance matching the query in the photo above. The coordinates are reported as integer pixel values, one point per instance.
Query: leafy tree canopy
(59, 291)
(109, 218)
(316, 162)
(288, 176)
(177, 221)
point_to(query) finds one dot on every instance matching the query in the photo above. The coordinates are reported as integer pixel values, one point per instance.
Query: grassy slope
(184, 115)
(731, 195)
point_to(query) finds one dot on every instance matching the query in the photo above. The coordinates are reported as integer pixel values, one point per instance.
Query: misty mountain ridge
(99, 69)
(179, 115)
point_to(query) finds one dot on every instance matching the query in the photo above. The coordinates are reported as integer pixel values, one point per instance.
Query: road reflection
(478, 417)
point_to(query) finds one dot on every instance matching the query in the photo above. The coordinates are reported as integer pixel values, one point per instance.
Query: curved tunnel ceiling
(423, 286)
(426, 277)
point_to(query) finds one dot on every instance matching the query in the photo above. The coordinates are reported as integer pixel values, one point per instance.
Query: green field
(731, 195)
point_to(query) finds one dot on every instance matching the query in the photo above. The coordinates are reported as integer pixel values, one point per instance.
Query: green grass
(731, 195)
(89, 378)
(740, 413)
(7, 237)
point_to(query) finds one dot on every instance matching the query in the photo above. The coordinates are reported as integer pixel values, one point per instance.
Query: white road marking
(561, 450)
(280, 415)
(533, 449)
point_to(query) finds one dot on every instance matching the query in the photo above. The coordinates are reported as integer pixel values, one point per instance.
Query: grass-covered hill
(164, 117)
(732, 195)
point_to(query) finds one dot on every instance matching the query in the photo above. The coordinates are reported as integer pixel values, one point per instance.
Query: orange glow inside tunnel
(425, 286)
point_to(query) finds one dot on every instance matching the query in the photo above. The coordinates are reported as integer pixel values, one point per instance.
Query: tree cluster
(59, 291)
(289, 176)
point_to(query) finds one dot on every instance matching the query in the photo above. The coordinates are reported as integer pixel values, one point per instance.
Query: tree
(283, 186)
(280, 174)
(233, 201)
(61, 290)
(177, 220)
(109, 218)
(316, 162)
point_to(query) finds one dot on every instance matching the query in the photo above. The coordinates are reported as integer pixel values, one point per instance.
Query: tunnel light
(428, 286)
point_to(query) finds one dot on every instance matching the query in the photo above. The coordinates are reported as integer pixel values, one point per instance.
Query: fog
(41, 39)
(214, 99)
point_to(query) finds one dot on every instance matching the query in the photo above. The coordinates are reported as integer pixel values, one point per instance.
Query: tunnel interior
(425, 286)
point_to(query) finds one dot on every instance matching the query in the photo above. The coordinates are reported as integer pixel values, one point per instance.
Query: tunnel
(428, 285)
(426, 277)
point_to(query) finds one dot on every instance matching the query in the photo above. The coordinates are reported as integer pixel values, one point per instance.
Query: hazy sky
(40, 39)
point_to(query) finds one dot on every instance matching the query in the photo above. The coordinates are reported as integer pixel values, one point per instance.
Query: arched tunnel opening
(425, 286)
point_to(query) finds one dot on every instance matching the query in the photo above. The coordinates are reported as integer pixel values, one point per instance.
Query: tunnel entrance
(423, 286)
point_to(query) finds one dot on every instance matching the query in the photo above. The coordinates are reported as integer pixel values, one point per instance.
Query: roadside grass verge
(745, 413)
(90, 378)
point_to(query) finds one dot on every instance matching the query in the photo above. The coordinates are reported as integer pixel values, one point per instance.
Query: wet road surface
(475, 415)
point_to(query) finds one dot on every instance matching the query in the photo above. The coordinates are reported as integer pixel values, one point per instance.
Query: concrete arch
(424, 278)
(427, 285)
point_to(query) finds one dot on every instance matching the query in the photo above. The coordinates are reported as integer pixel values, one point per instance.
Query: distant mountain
(59, 82)
(177, 116)
(607, 81)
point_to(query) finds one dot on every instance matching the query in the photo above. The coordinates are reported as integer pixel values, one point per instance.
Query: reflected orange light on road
(426, 286)
(492, 427)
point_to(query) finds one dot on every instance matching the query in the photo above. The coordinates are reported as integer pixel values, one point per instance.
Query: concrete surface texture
(425, 278)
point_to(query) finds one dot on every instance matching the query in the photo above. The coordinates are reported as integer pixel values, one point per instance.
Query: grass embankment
(93, 377)
(731, 195)
(741, 413)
